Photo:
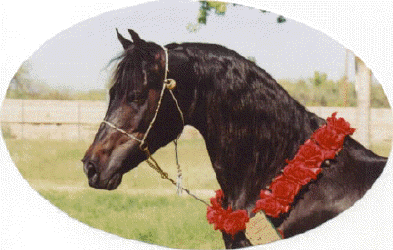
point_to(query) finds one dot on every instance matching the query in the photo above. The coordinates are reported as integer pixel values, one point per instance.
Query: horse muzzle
(99, 181)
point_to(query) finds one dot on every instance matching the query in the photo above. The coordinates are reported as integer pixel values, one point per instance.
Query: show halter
(324, 144)
(169, 84)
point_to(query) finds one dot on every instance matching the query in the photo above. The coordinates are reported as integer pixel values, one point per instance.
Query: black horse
(249, 122)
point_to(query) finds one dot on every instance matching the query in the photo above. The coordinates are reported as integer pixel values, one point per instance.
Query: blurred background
(58, 97)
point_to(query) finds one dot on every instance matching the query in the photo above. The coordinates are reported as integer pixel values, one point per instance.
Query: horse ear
(126, 43)
(135, 37)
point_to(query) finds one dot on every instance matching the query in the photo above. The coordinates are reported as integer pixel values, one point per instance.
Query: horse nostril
(90, 170)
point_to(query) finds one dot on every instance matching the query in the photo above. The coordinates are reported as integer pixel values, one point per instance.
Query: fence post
(363, 80)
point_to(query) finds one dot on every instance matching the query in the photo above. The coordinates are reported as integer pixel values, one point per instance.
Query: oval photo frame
(277, 244)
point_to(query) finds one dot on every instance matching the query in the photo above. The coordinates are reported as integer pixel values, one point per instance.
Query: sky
(77, 57)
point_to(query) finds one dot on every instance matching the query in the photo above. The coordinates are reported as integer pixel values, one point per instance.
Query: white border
(29, 221)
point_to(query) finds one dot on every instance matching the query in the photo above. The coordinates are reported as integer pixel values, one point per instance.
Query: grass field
(149, 214)
(54, 169)
(162, 220)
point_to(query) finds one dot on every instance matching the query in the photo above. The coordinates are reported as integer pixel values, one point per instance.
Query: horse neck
(249, 123)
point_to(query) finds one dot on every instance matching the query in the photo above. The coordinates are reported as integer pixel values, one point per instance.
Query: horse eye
(135, 98)
(139, 101)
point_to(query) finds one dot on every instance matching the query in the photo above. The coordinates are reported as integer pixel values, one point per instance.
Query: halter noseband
(169, 84)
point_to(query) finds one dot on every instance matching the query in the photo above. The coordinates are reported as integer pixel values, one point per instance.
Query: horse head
(137, 100)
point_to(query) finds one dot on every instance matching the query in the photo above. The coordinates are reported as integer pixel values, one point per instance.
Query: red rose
(340, 125)
(225, 220)
(331, 136)
(215, 213)
(328, 138)
(310, 154)
(271, 206)
(301, 174)
(216, 216)
(235, 221)
(329, 153)
(284, 189)
(211, 215)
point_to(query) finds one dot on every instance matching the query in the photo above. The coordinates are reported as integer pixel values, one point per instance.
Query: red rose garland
(226, 220)
(324, 144)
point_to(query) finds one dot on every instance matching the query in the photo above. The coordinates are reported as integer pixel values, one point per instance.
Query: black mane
(129, 75)
(252, 111)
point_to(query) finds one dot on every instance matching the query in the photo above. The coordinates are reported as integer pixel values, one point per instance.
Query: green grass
(53, 161)
(161, 220)
(170, 221)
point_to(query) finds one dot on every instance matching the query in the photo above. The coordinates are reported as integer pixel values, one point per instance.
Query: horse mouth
(99, 180)
(109, 184)
(114, 182)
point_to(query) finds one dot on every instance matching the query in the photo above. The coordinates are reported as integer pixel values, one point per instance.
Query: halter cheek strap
(169, 83)
(122, 131)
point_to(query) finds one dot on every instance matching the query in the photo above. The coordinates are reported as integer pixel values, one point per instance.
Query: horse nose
(91, 172)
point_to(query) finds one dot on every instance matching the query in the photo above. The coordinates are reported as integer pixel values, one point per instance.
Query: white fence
(69, 120)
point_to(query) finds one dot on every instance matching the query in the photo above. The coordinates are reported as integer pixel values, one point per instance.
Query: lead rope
(179, 173)
(168, 84)
(164, 175)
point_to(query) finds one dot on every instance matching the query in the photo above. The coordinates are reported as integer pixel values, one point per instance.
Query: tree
(25, 86)
(21, 81)
(319, 79)
(219, 8)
